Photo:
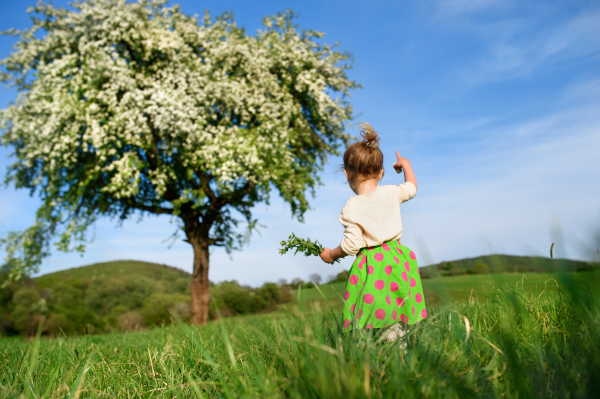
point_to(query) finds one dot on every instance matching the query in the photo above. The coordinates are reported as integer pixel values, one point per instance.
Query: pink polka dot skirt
(384, 288)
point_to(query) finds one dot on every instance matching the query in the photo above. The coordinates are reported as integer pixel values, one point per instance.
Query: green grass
(457, 288)
(517, 344)
(482, 286)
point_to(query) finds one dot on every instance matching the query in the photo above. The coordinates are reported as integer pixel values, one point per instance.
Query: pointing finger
(398, 155)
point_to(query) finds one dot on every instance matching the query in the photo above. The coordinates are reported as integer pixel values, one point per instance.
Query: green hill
(504, 264)
(120, 267)
(119, 296)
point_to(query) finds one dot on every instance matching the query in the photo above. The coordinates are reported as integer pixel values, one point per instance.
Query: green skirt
(384, 288)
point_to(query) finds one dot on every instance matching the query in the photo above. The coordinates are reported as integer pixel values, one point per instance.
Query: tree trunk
(197, 236)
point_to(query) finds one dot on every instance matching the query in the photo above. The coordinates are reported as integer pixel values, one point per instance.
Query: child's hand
(326, 255)
(401, 162)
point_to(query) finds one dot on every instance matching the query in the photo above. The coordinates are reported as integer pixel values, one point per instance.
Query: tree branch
(152, 209)
(216, 203)
(238, 195)
(217, 242)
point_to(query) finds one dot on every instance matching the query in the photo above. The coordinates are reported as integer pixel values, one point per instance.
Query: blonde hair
(363, 160)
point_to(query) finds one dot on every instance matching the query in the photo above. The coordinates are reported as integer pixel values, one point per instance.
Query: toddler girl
(384, 286)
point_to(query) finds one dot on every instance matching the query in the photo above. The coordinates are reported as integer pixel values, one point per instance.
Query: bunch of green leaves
(305, 246)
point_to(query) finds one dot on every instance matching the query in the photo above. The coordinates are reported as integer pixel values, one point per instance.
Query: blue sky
(496, 104)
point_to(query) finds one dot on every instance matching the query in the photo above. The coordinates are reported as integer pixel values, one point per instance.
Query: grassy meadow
(508, 339)
(462, 287)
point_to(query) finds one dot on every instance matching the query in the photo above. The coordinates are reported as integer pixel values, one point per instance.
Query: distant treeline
(505, 264)
(120, 296)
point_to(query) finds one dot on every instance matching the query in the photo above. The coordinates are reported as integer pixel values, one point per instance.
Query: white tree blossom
(126, 107)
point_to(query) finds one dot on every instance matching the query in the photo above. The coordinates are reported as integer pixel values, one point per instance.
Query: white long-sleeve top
(374, 218)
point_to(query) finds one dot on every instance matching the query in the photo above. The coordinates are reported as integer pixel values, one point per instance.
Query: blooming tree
(128, 108)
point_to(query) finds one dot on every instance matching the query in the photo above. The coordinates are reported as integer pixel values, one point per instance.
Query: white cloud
(516, 50)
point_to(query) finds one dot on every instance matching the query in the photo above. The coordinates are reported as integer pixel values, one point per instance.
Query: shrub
(161, 308)
(82, 320)
(287, 294)
(244, 301)
(28, 326)
(131, 321)
(447, 266)
(65, 294)
(57, 324)
(28, 308)
(270, 293)
(428, 272)
(106, 292)
(180, 285)
(340, 277)
(231, 299)
(118, 310)
(481, 268)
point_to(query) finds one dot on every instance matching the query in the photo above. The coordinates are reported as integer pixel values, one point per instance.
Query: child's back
(374, 218)
(384, 286)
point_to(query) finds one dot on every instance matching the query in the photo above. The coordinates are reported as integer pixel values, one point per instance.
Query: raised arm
(403, 163)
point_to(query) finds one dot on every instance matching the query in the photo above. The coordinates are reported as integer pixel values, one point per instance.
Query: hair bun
(370, 136)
